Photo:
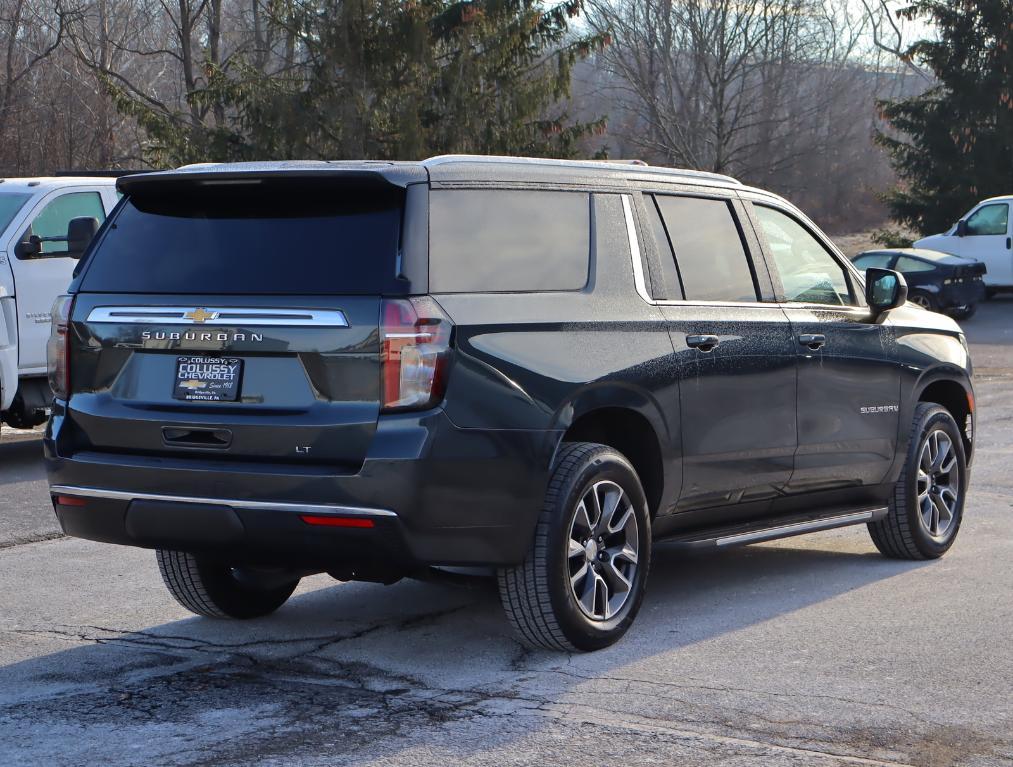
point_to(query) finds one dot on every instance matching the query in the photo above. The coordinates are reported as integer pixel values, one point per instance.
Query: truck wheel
(924, 300)
(215, 590)
(928, 500)
(582, 582)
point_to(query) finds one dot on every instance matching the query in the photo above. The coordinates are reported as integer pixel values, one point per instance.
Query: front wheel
(582, 582)
(207, 587)
(928, 500)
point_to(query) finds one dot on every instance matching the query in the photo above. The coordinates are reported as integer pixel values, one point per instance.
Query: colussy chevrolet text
(263, 371)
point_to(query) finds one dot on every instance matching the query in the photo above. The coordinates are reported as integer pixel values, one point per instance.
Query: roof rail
(447, 159)
(98, 173)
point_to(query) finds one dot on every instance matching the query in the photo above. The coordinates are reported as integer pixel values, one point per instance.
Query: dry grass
(852, 244)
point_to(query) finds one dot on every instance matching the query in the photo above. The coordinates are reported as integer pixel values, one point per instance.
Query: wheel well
(632, 435)
(952, 396)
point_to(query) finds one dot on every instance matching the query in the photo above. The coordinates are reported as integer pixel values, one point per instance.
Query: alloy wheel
(922, 301)
(603, 548)
(938, 484)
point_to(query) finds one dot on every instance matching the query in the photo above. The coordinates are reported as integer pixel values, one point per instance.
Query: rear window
(488, 241)
(269, 239)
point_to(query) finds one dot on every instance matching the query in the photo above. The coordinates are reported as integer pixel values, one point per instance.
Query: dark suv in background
(264, 371)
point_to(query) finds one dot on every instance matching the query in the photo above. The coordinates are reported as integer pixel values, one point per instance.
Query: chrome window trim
(301, 508)
(635, 254)
(223, 316)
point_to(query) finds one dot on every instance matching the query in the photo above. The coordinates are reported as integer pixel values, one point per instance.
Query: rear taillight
(414, 353)
(58, 350)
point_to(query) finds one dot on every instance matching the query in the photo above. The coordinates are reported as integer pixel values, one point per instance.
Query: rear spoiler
(361, 174)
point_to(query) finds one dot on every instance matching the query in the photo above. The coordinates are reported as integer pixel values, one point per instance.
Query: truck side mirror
(885, 289)
(961, 228)
(30, 247)
(80, 232)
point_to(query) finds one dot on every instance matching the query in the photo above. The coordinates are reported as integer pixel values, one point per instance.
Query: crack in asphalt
(298, 694)
(10, 543)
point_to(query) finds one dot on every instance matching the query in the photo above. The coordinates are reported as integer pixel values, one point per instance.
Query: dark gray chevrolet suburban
(374, 369)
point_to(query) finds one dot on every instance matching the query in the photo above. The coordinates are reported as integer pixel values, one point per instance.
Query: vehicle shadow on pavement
(414, 655)
(21, 458)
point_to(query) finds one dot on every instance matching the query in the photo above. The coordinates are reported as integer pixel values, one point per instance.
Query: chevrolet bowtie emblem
(192, 384)
(200, 315)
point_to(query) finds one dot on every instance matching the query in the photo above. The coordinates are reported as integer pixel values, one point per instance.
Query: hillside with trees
(781, 93)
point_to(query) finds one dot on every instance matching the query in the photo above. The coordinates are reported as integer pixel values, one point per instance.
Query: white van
(982, 234)
(38, 254)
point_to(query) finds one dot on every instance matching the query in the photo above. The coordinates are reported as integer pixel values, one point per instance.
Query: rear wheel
(215, 590)
(928, 500)
(924, 300)
(582, 583)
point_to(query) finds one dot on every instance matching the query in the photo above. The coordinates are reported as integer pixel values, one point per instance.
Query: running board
(771, 529)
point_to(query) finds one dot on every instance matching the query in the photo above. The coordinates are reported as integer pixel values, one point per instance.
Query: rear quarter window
(492, 241)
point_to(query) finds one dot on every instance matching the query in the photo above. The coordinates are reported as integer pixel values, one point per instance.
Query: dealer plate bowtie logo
(200, 315)
(193, 384)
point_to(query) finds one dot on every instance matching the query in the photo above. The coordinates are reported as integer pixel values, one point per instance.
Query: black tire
(210, 588)
(903, 533)
(924, 300)
(537, 595)
(964, 312)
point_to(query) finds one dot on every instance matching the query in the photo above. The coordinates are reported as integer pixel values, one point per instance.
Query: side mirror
(29, 247)
(885, 289)
(961, 228)
(80, 232)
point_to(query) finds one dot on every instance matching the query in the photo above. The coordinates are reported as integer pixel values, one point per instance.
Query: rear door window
(10, 204)
(268, 239)
(499, 240)
(709, 251)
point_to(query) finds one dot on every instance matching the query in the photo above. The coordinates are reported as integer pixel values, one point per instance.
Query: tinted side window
(809, 274)
(877, 260)
(907, 264)
(990, 219)
(54, 218)
(498, 241)
(671, 287)
(709, 252)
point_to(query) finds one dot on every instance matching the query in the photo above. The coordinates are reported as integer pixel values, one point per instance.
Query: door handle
(1009, 243)
(813, 340)
(704, 343)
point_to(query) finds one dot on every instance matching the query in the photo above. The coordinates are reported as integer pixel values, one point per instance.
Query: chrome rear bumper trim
(300, 508)
(218, 316)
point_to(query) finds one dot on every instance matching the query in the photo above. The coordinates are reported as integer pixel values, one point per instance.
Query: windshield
(10, 204)
(263, 240)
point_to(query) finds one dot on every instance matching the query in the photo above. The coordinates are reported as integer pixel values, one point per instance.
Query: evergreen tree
(953, 145)
(390, 79)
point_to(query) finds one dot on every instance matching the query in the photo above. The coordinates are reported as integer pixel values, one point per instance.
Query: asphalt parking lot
(809, 651)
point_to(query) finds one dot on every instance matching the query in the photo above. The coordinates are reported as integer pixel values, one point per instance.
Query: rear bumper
(428, 493)
(952, 296)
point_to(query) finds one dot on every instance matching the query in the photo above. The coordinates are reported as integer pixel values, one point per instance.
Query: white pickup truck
(984, 233)
(37, 257)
